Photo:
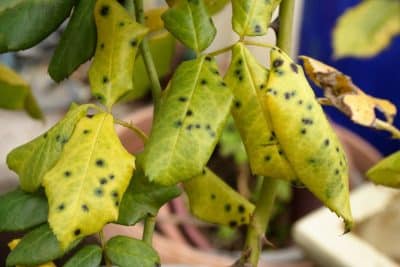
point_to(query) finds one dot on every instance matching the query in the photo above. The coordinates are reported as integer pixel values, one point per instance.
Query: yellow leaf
(86, 185)
(153, 19)
(305, 135)
(12, 244)
(387, 171)
(118, 37)
(342, 93)
(214, 201)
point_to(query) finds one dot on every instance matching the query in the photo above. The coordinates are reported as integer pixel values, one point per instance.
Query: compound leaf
(24, 23)
(118, 37)
(214, 201)
(247, 79)
(37, 247)
(88, 256)
(20, 210)
(387, 171)
(190, 23)
(252, 17)
(367, 28)
(86, 185)
(129, 252)
(32, 160)
(189, 122)
(305, 135)
(77, 43)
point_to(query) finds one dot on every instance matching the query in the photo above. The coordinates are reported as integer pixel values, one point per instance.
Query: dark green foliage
(89, 256)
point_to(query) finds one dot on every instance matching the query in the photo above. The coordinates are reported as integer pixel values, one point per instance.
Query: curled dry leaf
(341, 92)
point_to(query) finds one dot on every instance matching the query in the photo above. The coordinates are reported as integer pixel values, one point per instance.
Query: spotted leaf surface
(248, 81)
(212, 200)
(32, 160)
(306, 136)
(189, 122)
(118, 37)
(252, 17)
(387, 171)
(190, 23)
(86, 185)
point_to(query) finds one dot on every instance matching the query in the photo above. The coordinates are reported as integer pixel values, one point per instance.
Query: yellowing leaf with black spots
(32, 160)
(247, 79)
(252, 17)
(190, 23)
(86, 185)
(118, 37)
(387, 171)
(305, 135)
(15, 93)
(212, 200)
(188, 123)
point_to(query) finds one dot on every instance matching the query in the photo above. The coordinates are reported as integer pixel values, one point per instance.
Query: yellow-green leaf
(118, 37)
(212, 200)
(190, 23)
(252, 17)
(367, 28)
(305, 135)
(188, 124)
(32, 160)
(86, 185)
(248, 81)
(15, 93)
(387, 171)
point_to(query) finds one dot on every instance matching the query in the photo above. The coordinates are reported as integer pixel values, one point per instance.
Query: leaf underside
(86, 185)
(387, 171)
(214, 201)
(190, 120)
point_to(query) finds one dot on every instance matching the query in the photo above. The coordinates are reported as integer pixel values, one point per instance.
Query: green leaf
(16, 94)
(248, 81)
(38, 246)
(33, 159)
(214, 201)
(20, 210)
(190, 23)
(215, 6)
(77, 43)
(24, 23)
(230, 143)
(88, 256)
(86, 185)
(367, 28)
(190, 120)
(128, 252)
(387, 171)
(252, 17)
(118, 37)
(143, 198)
(305, 135)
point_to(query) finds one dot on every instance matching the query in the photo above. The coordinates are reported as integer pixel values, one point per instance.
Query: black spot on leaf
(203, 82)
(182, 99)
(121, 24)
(116, 203)
(77, 232)
(326, 142)
(99, 192)
(189, 113)
(300, 102)
(100, 163)
(257, 28)
(262, 86)
(133, 42)
(189, 127)
(85, 208)
(294, 67)
(227, 207)
(86, 131)
(103, 181)
(303, 131)
(267, 158)
(277, 63)
(67, 173)
(223, 84)
(61, 207)
(105, 79)
(198, 126)
(104, 10)
(208, 58)
(241, 209)
(45, 135)
(178, 123)
(102, 46)
(232, 223)
(111, 177)
(213, 196)
(307, 121)
(114, 194)
(238, 104)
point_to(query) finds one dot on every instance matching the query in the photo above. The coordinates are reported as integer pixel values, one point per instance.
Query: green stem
(286, 11)
(130, 7)
(222, 50)
(253, 43)
(103, 245)
(148, 59)
(149, 224)
(134, 129)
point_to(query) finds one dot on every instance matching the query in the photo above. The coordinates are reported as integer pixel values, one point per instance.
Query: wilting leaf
(16, 94)
(189, 122)
(367, 28)
(128, 252)
(307, 139)
(247, 79)
(118, 37)
(15, 242)
(24, 23)
(77, 43)
(346, 96)
(387, 171)
(86, 185)
(214, 201)
(143, 198)
(89, 256)
(20, 210)
(32, 160)
(190, 23)
(252, 17)
(37, 247)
